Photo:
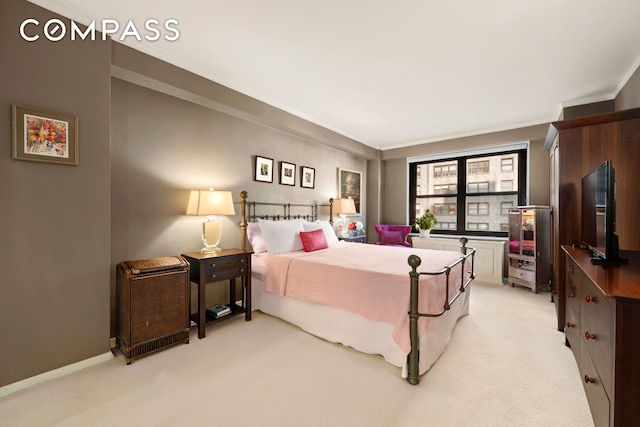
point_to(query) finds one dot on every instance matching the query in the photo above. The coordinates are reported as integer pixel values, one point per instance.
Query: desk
(228, 264)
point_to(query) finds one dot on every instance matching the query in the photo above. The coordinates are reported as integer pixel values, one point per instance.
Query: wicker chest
(153, 302)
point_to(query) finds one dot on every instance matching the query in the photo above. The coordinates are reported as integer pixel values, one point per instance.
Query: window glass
(489, 186)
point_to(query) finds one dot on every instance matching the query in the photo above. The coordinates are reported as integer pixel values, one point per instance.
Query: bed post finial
(243, 219)
(463, 243)
(331, 211)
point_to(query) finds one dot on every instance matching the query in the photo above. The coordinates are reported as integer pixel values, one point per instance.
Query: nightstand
(361, 238)
(228, 264)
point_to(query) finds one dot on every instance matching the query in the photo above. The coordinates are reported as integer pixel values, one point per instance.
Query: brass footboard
(414, 261)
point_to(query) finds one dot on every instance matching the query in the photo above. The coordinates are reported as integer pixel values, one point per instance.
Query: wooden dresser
(602, 321)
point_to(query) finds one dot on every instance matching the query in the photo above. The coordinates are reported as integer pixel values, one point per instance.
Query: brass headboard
(249, 213)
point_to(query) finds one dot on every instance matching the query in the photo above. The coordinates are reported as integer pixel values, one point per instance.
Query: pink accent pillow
(391, 237)
(313, 240)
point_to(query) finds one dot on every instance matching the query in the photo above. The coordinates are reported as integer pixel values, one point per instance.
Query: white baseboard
(56, 373)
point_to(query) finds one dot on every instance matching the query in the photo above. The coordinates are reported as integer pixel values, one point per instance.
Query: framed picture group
(264, 171)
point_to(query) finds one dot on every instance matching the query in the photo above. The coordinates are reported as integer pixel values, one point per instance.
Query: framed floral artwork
(44, 136)
(287, 173)
(264, 169)
(307, 177)
(350, 186)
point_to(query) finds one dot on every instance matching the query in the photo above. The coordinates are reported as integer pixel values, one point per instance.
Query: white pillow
(325, 226)
(281, 236)
(254, 234)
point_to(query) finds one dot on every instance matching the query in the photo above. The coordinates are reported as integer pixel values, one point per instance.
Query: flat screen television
(599, 214)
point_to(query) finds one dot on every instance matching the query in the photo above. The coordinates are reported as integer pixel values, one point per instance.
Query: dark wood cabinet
(576, 148)
(603, 314)
(152, 305)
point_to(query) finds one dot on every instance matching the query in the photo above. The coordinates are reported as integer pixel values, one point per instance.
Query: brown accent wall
(54, 219)
(629, 96)
(395, 196)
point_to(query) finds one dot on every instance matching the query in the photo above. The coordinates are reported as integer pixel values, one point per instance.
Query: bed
(397, 302)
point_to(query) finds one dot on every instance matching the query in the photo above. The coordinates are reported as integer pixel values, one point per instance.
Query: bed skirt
(362, 334)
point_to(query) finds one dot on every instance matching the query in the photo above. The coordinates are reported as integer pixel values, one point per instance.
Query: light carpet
(506, 365)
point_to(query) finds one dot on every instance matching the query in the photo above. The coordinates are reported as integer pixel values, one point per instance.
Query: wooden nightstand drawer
(226, 263)
(213, 275)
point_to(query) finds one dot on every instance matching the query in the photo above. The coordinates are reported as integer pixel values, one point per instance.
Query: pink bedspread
(370, 280)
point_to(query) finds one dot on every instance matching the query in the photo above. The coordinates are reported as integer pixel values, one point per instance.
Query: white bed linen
(351, 329)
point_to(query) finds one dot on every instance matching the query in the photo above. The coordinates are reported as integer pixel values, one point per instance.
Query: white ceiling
(391, 74)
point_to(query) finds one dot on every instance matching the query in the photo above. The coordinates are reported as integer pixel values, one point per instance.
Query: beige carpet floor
(506, 365)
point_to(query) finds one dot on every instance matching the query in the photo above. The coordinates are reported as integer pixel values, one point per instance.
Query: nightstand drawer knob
(589, 336)
(589, 298)
(212, 276)
(242, 270)
(213, 265)
(588, 379)
(571, 325)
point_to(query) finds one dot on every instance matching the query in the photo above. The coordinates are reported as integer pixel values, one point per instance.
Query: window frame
(462, 183)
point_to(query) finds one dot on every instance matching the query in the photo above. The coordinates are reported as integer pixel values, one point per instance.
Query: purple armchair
(394, 235)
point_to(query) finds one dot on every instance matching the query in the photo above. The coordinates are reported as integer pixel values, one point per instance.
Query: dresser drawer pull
(242, 260)
(588, 336)
(242, 270)
(589, 298)
(212, 276)
(588, 380)
(212, 265)
(571, 325)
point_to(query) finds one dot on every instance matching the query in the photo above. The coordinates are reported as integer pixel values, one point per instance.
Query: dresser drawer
(572, 314)
(594, 389)
(596, 318)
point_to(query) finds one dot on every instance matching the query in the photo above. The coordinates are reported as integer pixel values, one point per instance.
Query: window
(444, 189)
(478, 187)
(505, 207)
(506, 185)
(478, 208)
(478, 167)
(477, 226)
(444, 170)
(444, 209)
(470, 194)
(506, 164)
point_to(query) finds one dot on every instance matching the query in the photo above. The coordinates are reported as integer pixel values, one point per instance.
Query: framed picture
(287, 173)
(350, 185)
(264, 169)
(307, 177)
(44, 136)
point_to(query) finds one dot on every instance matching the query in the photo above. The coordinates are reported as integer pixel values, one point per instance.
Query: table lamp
(210, 203)
(344, 207)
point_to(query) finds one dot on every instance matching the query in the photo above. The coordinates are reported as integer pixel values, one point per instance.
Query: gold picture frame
(39, 135)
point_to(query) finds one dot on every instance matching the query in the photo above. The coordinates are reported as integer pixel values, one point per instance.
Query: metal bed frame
(248, 209)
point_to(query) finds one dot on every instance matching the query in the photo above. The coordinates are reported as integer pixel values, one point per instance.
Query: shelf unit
(529, 247)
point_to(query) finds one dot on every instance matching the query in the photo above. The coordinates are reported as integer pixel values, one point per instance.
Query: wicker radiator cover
(153, 302)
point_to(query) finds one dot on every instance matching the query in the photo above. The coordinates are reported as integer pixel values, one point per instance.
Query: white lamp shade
(210, 202)
(344, 206)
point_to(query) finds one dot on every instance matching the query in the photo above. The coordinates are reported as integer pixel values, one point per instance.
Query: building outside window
(491, 184)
